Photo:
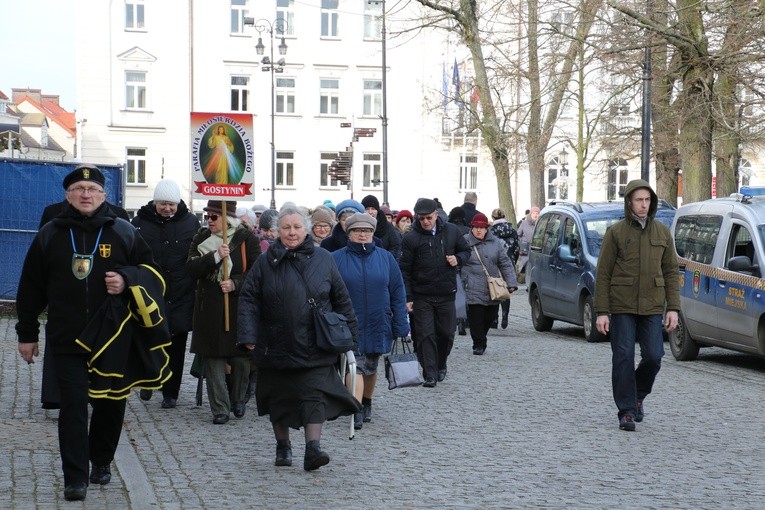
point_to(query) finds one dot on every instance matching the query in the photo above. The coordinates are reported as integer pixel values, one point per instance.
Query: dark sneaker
(169, 403)
(627, 423)
(358, 420)
(145, 394)
(100, 475)
(639, 414)
(75, 492)
(441, 374)
(429, 382)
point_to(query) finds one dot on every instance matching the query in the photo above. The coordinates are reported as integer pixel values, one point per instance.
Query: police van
(720, 245)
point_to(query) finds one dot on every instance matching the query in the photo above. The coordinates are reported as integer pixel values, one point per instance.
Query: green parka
(637, 267)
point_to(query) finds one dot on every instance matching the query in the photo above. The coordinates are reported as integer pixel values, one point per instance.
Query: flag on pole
(456, 81)
(444, 87)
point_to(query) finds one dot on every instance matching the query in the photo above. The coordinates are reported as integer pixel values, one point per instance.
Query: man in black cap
(53, 210)
(431, 252)
(74, 265)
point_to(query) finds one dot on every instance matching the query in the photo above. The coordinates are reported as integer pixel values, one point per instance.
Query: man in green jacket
(637, 281)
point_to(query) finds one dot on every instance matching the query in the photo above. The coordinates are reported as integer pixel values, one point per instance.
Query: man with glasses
(73, 265)
(431, 252)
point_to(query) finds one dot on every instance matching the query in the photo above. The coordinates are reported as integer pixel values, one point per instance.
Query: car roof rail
(574, 205)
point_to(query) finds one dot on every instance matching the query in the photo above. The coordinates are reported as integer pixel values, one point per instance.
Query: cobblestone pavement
(531, 424)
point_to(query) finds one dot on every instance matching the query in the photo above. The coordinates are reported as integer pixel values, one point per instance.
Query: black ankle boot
(314, 457)
(461, 327)
(504, 321)
(283, 453)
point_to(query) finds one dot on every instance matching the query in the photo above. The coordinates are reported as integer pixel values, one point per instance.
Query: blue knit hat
(328, 203)
(349, 204)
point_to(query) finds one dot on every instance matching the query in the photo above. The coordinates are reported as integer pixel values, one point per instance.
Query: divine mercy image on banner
(222, 155)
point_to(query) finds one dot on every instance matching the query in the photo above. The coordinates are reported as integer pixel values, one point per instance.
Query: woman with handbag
(377, 292)
(215, 343)
(488, 261)
(298, 384)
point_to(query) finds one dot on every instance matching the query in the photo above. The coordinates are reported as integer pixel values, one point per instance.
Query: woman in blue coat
(378, 295)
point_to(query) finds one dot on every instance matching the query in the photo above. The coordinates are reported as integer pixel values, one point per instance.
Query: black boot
(358, 421)
(314, 457)
(283, 452)
(504, 321)
(461, 327)
(251, 386)
(366, 410)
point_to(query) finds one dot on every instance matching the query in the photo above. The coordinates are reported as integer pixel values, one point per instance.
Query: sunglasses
(211, 217)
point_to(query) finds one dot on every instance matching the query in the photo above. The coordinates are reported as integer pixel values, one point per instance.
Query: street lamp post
(279, 26)
(563, 173)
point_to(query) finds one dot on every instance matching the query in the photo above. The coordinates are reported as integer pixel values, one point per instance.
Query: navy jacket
(377, 292)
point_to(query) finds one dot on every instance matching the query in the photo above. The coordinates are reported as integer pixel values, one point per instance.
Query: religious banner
(222, 156)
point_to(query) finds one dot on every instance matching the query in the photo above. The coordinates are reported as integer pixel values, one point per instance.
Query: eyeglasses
(362, 231)
(322, 227)
(81, 190)
(211, 217)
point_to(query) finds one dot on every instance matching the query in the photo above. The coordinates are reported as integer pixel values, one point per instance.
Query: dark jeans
(629, 383)
(480, 318)
(434, 320)
(177, 352)
(76, 444)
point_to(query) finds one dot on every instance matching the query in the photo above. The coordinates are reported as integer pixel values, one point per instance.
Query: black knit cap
(84, 172)
(370, 201)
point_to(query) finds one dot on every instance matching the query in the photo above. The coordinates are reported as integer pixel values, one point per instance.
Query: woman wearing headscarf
(298, 384)
(322, 221)
(489, 252)
(210, 339)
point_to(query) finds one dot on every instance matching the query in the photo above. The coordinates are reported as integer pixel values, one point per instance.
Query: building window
(285, 95)
(285, 12)
(135, 89)
(468, 172)
(744, 171)
(329, 17)
(134, 15)
(239, 93)
(238, 13)
(557, 180)
(373, 97)
(326, 180)
(329, 97)
(285, 169)
(617, 178)
(372, 170)
(136, 166)
(373, 19)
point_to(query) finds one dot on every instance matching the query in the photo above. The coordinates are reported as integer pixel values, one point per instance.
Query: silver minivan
(720, 247)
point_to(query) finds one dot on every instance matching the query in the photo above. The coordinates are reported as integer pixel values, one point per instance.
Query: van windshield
(595, 229)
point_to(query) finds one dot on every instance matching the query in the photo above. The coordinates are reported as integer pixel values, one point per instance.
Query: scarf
(212, 243)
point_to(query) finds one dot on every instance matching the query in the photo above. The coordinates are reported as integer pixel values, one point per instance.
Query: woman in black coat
(168, 227)
(298, 384)
(210, 339)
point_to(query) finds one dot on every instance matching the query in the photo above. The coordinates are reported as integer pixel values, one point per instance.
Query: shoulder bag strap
(311, 300)
(486, 272)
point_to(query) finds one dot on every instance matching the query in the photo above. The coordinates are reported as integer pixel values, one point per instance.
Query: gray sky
(37, 41)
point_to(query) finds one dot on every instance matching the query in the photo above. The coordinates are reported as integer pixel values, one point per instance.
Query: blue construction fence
(26, 188)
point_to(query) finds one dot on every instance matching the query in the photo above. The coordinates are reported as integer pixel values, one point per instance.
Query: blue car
(563, 257)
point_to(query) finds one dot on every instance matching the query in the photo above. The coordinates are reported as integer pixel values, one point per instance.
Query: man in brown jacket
(637, 280)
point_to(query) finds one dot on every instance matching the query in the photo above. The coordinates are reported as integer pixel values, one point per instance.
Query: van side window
(550, 234)
(696, 236)
(571, 236)
(536, 239)
(740, 243)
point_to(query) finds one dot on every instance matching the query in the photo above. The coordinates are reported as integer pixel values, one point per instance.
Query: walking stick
(225, 267)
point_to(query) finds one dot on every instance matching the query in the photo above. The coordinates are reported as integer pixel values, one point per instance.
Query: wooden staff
(225, 266)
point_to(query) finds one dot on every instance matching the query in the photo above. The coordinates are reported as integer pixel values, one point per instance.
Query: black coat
(390, 237)
(274, 313)
(470, 211)
(169, 240)
(423, 260)
(209, 336)
(47, 278)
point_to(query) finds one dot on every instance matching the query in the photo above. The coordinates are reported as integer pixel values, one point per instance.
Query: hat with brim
(425, 206)
(215, 206)
(360, 220)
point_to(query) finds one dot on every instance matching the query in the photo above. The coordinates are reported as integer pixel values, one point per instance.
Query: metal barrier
(26, 188)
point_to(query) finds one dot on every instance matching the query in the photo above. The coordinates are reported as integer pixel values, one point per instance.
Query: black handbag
(332, 331)
(402, 369)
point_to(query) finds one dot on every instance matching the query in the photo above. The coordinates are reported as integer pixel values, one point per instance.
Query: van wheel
(683, 347)
(589, 317)
(538, 318)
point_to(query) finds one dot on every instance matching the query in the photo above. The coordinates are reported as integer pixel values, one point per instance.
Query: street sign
(345, 124)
